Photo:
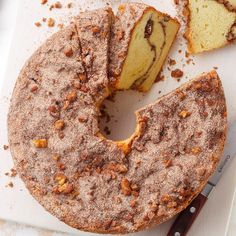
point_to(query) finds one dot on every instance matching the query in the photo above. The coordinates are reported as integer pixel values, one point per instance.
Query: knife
(187, 217)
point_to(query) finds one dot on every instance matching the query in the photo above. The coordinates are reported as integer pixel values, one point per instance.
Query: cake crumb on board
(5, 147)
(50, 22)
(177, 73)
(9, 185)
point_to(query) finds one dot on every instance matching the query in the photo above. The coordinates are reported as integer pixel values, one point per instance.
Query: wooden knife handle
(187, 217)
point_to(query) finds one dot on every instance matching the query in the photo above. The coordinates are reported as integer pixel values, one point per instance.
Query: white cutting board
(18, 205)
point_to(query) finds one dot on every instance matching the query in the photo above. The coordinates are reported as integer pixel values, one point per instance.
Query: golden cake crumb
(44, 2)
(38, 24)
(50, 22)
(177, 73)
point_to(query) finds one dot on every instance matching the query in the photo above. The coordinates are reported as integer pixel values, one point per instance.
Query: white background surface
(7, 20)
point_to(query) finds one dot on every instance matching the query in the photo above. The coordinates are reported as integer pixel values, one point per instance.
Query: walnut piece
(63, 185)
(34, 88)
(196, 150)
(60, 178)
(68, 51)
(82, 77)
(125, 187)
(40, 143)
(184, 114)
(59, 125)
(71, 97)
(95, 29)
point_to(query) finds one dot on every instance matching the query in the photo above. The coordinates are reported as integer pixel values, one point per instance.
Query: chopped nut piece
(56, 157)
(59, 125)
(40, 143)
(68, 188)
(65, 188)
(168, 163)
(60, 178)
(71, 97)
(68, 51)
(34, 89)
(82, 77)
(5, 147)
(196, 150)
(96, 29)
(44, 1)
(51, 22)
(184, 114)
(38, 24)
(58, 5)
(125, 187)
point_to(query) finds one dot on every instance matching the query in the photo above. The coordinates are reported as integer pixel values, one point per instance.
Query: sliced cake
(211, 25)
(141, 40)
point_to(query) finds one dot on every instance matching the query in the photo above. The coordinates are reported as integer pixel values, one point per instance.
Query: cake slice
(141, 40)
(211, 24)
(93, 29)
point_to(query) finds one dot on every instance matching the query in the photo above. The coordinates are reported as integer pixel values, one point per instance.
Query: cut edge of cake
(201, 35)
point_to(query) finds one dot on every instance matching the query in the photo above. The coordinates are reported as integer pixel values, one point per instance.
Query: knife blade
(187, 217)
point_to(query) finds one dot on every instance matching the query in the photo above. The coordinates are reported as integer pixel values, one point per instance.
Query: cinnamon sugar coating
(87, 181)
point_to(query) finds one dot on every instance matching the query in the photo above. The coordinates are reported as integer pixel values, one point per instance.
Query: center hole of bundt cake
(118, 120)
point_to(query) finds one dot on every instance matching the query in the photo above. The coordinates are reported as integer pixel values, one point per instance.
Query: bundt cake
(92, 183)
(141, 39)
(211, 24)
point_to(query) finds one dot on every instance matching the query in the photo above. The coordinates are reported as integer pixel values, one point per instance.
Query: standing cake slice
(141, 40)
